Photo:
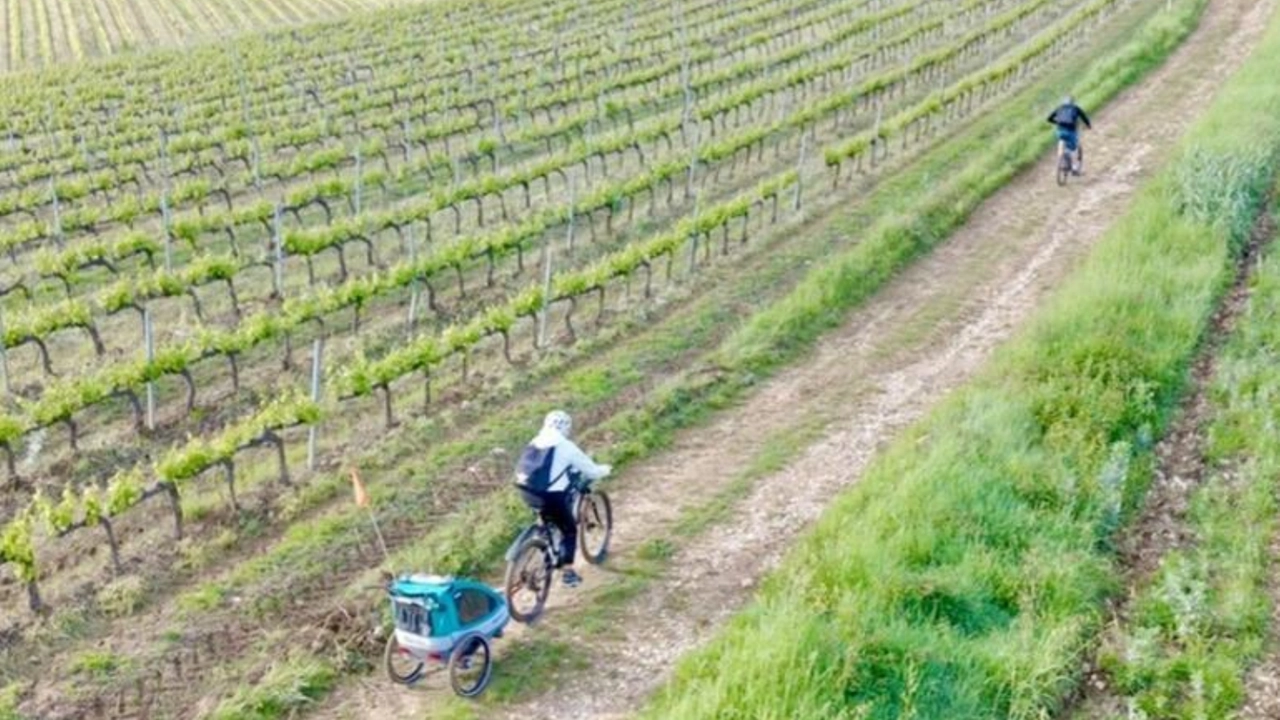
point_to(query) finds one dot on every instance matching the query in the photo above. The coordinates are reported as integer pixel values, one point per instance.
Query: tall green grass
(1203, 619)
(964, 577)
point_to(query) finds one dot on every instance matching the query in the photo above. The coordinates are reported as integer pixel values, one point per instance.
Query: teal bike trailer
(443, 623)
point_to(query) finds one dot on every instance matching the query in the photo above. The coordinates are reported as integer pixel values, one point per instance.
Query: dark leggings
(557, 509)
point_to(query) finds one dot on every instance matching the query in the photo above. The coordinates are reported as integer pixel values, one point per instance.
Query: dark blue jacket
(1069, 116)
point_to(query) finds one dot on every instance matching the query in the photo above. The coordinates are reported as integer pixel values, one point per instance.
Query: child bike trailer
(444, 623)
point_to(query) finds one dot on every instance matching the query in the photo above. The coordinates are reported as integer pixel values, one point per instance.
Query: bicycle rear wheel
(1064, 168)
(595, 525)
(528, 580)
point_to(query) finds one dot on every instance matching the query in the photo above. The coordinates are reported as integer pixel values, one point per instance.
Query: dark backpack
(533, 470)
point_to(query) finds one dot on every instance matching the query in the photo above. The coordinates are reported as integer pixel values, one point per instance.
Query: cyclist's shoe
(571, 578)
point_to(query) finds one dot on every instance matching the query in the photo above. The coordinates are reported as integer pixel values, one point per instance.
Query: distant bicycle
(1066, 119)
(531, 559)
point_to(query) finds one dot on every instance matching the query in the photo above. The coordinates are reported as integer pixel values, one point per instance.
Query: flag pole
(362, 499)
(377, 531)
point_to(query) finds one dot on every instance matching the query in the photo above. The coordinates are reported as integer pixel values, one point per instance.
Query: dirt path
(894, 359)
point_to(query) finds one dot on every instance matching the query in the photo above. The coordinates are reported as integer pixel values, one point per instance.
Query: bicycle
(531, 559)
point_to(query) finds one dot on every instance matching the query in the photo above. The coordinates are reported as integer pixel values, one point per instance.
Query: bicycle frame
(541, 526)
(535, 528)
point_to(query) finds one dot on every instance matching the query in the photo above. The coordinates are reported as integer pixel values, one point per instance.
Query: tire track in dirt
(893, 359)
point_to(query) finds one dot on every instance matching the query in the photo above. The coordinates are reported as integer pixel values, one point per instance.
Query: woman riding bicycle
(546, 477)
(1067, 118)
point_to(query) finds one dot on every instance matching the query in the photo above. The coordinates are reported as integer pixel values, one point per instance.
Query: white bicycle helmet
(560, 421)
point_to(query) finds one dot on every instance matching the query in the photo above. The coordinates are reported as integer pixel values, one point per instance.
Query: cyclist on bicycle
(547, 477)
(1067, 117)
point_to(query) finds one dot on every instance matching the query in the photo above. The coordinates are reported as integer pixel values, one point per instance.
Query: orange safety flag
(362, 497)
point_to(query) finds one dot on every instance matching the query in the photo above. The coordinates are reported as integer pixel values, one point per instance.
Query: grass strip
(1203, 620)
(964, 576)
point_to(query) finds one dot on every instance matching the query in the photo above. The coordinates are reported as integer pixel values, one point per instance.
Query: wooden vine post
(573, 207)
(415, 288)
(693, 240)
(277, 233)
(359, 194)
(317, 350)
(167, 217)
(545, 310)
(693, 163)
(4, 358)
(795, 205)
(149, 342)
(166, 214)
(245, 116)
(58, 236)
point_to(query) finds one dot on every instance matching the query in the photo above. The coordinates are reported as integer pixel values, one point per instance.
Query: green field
(232, 270)
(48, 32)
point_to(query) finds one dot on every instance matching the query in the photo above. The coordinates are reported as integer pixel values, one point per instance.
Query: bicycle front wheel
(529, 580)
(595, 525)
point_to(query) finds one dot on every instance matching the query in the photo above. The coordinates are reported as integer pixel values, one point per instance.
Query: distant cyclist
(1067, 119)
(547, 478)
